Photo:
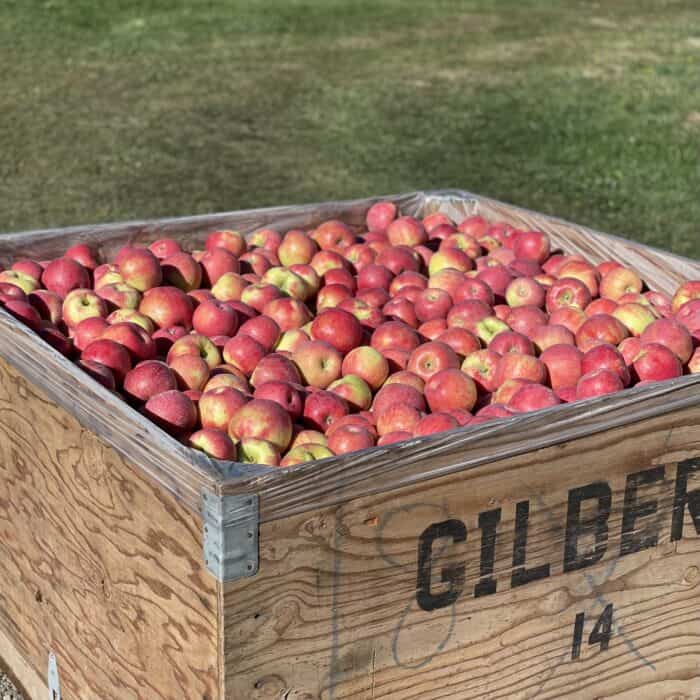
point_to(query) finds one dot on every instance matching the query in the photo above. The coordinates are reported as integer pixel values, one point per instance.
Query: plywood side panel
(99, 564)
(376, 598)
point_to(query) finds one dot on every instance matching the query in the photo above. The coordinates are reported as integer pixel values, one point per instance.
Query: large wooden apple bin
(554, 555)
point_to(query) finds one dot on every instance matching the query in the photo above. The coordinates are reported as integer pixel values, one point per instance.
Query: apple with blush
(233, 241)
(619, 281)
(563, 363)
(599, 382)
(147, 379)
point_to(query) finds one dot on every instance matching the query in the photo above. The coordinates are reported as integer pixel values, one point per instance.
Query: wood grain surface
(334, 614)
(99, 564)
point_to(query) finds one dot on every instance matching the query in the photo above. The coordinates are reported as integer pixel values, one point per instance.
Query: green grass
(587, 110)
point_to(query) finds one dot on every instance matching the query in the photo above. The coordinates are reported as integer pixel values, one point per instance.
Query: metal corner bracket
(230, 535)
(53, 680)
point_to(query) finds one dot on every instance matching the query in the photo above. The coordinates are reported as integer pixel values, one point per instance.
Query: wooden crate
(553, 555)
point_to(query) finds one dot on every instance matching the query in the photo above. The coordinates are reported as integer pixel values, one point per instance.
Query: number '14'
(600, 635)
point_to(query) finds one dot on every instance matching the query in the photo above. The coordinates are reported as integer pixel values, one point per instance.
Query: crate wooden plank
(375, 598)
(99, 564)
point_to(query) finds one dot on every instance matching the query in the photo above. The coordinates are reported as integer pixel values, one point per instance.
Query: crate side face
(100, 565)
(377, 597)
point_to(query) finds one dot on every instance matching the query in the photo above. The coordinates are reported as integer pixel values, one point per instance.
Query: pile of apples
(281, 348)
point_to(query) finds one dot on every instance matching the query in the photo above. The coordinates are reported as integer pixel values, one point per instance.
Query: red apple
(432, 357)
(524, 291)
(532, 397)
(567, 291)
(263, 420)
(110, 354)
(510, 341)
(233, 241)
(524, 319)
(531, 245)
(350, 438)
(629, 348)
(598, 383)
(466, 314)
(215, 443)
(600, 306)
(673, 335)
(167, 306)
(408, 378)
(182, 271)
(368, 363)
(605, 356)
(218, 406)
(582, 271)
(507, 390)
(498, 278)
(481, 367)
(635, 317)
(99, 373)
(119, 295)
(140, 269)
(337, 328)
(322, 408)
(172, 411)
(619, 281)
(406, 231)
(164, 248)
(215, 318)
(354, 390)
(686, 292)
(563, 363)
(462, 341)
(334, 235)
(147, 379)
(518, 366)
(47, 304)
(598, 329)
(319, 363)
(88, 330)
(63, 275)
(215, 263)
(400, 258)
(450, 389)
(275, 367)
(380, 215)
(570, 317)
(544, 337)
(134, 338)
(244, 353)
(191, 371)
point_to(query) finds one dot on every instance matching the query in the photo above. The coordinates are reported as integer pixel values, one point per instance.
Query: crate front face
(573, 571)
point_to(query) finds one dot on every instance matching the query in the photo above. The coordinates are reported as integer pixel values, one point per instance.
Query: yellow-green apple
(48, 304)
(167, 306)
(515, 365)
(563, 363)
(406, 231)
(258, 295)
(233, 241)
(217, 262)
(333, 235)
(567, 291)
(354, 390)
(531, 245)
(635, 317)
(214, 443)
(229, 287)
(257, 451)
(164, 248)
(307, 452)
(134, 338)
(524, 291)
(432, 357)
(449, 258)
(618, 282)
(80, 304)
(181, 270)
(481, 367)
(350, 438)
(107, 274)
(368, 363)
(380, 215)
(489, 327)
(599, 382)
(215, 318)
(254, 262)
(218, 406)
(600, 306)
(291, 340)
(464, 242)
(450, 389)
(119, 295)
(319, 363)
(110, 354)
(147, 379)
(264, 420)
(101, 374)
(511, 341)
(288, 313)
(524, 319)
(140, 269)
(286, 281)
(275, 367)
(544, 337)
(498, 278)
(694, 362)
(605, 356)
(27, 267)
(462, 341)
(338, 328)
(198, 345)
(601, 328)
(308, 437)
(131, 316)
(582, 271)
(532, 397)
(675, 336)
(686, 292)
(322, 408)
(297, 247)
(172, 411)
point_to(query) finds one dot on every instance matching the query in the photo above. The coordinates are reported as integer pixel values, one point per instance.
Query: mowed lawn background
(131, 109)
